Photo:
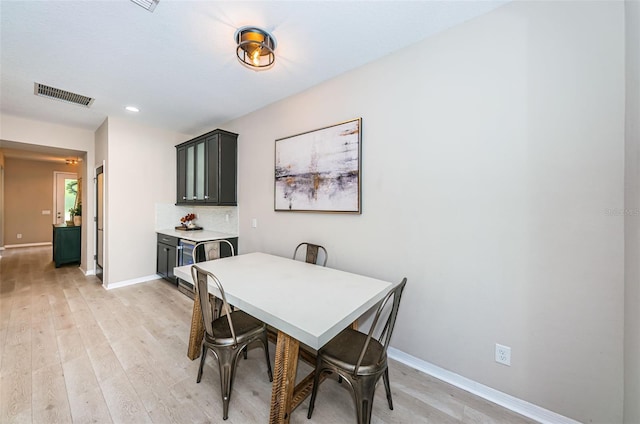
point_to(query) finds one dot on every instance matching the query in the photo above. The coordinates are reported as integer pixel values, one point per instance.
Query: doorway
(65, 192)
(1, 208)
(99, 221)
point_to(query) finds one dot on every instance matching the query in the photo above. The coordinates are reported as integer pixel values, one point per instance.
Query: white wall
(491, 157)
(140, 171)
(13, 128)
(632, 216)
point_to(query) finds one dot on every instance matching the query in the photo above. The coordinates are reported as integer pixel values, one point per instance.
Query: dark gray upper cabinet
(207, 169)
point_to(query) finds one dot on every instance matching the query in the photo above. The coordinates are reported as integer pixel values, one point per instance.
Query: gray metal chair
(227, 336)
(211, 251)
(361, 359)
(312, 253)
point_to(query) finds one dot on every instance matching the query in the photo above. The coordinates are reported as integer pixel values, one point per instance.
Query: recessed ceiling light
(132, 109)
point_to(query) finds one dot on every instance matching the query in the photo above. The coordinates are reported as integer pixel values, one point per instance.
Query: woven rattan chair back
(221, 336)
(312, 254)
(361, 359)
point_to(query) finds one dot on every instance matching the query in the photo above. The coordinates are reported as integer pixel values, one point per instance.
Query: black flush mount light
(255, 48)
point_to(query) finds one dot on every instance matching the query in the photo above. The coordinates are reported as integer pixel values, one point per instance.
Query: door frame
(55, 193)
(99, 213)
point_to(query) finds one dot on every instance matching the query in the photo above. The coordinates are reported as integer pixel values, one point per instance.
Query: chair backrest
(385, 335)
(200, 279)
(211, 249)
(311, 255)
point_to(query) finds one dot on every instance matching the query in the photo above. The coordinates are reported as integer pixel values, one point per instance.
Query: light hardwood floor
(74, 352)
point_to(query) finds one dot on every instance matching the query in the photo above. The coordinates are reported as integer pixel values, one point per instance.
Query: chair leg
(265, 344)
(227, 364)
(364, 390)
(203, 357)
(387, 387)
(314, 390)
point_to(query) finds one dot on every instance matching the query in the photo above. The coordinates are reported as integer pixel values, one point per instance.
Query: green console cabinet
(66, 244)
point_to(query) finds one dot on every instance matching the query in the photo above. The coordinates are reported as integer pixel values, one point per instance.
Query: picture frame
(320, 170)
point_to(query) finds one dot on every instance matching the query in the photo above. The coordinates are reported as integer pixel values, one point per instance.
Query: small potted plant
(187, 220)
(76, 214)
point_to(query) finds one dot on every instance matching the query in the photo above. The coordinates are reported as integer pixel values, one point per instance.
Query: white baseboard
(519, 406)
(132, 282)
(13, 246)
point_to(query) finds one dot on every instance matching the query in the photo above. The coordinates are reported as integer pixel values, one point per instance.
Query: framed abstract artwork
(319, 170)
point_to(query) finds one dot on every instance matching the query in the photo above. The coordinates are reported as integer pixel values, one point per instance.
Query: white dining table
(306, 303)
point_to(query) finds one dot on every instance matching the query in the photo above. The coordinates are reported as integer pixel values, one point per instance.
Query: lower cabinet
(167, 257)
(172, 252)
(66, 244)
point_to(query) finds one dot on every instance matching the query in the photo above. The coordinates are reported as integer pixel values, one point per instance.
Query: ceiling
(177, 64)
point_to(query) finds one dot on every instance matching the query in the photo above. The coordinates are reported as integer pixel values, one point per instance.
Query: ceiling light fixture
(72, 161)
(255, 48)
(132, 109)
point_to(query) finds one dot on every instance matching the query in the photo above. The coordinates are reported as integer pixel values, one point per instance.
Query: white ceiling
(178, 63)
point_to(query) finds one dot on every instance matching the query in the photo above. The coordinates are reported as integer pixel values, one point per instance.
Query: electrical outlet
(503, 354)
(19, 236)
(254, 223)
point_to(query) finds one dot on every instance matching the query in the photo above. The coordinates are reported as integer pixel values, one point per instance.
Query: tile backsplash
(213, 218)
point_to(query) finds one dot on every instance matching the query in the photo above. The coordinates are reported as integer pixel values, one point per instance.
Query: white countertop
(196, 235)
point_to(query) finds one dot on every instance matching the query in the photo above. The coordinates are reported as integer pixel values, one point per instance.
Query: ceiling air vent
(58, 94)
(147, 4)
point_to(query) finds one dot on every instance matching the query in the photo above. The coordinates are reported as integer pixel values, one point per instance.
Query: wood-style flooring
(74, 352)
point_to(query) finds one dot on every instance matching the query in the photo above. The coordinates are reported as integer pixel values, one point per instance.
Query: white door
(65, 189)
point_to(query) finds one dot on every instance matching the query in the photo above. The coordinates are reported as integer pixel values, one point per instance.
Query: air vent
(58, 94)
(147, 4)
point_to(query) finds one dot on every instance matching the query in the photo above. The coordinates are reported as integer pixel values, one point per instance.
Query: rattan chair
(312, 253)
(227, 336)
(361, 359)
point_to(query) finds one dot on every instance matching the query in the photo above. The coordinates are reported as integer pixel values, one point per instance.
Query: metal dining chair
(361, 359)
(312, 253)
(211, 251)
(227, 336)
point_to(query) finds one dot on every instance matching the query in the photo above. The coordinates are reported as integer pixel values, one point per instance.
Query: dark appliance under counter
(188, 256)
(176, 248)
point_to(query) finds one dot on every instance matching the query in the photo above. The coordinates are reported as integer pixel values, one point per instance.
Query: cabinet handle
(206, 197)
(195, 197)
(184, 197)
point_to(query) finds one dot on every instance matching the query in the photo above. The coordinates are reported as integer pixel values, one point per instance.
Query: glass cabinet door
(200, 171)
(195, 172)
(191, 163)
